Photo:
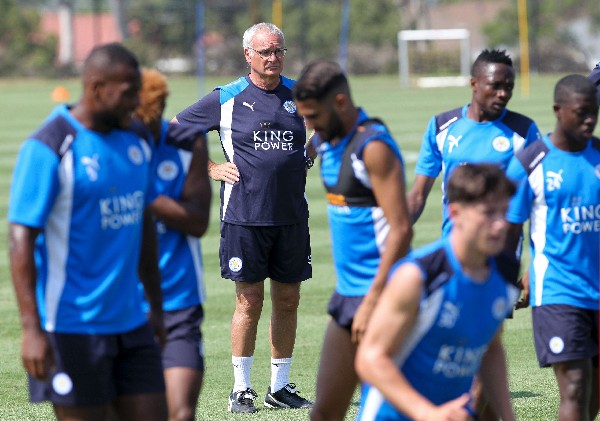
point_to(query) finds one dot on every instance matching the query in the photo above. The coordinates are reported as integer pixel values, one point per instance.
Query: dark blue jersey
(263, 135)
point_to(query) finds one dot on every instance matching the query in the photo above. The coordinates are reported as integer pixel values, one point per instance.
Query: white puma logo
(453, 142)
(554, 180)
(251, 106)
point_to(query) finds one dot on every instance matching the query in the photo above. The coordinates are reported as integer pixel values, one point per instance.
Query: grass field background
(25, 103)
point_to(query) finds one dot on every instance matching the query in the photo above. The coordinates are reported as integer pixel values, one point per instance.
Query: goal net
(434, 57)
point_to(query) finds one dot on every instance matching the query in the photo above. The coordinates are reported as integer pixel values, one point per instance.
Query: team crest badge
(235, 264)
(556, 344)
(290, 106)
(501, 144)
(167, 170)
(62, 383)
(135, 155)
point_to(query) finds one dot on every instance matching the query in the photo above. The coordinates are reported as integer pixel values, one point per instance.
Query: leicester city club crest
(290, 106)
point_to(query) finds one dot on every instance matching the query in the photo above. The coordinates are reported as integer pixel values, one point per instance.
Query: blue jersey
(87, 192)
(453, 139)
(180, 257)
(263, 135)
(352, 208)
(559, 192)
(456, 321)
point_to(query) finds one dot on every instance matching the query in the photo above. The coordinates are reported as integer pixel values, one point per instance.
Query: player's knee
(250, 305)
(182, 413)
(573, 391)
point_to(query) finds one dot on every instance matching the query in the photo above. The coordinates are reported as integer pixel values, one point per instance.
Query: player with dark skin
(492, 88)
(576, 111)
(181, 214)
(110, 95)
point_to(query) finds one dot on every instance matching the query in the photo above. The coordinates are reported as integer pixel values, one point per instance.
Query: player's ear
(454, 210)
(247, 55)
(340, 100)
(557, 111)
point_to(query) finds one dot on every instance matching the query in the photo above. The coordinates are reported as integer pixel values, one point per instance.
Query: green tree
(24, 51)
(552, 46)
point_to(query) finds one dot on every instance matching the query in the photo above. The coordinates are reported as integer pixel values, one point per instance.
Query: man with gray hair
(264, 213)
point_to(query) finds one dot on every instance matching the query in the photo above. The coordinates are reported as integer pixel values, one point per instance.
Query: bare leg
(481, 403)
(183, 388)
(285, 299)
(337, 378)
(248, 307)
(574, 383)
(144, 407)
(82, 413)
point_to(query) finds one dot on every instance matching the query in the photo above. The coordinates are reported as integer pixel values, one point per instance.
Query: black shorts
(184, 339)
(95, 369)
(564, 333)
(252, 254)
(343, 308)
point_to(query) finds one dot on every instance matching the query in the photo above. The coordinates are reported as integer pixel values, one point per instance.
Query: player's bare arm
(493, 378)
(150, 277)
(512, 243)
(390, 324)
(190, 214)
(227, 171)
(35, 351)
(387, 180)
(417, 196)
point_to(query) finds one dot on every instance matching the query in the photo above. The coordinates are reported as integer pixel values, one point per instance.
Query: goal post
(461, 35)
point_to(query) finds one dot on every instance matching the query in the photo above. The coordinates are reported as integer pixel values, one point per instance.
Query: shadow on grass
(524, 394)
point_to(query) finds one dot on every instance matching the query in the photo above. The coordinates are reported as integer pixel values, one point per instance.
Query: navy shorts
(342, 309)
(253, 254)
(95, 369)
(184, 339)
(564, 333)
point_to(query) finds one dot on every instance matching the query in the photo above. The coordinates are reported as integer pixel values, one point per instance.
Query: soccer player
(482, 131)
(363, 172)
(264, 212)
(559, 192)
(181, 210)
(78, 225)
(437, 322)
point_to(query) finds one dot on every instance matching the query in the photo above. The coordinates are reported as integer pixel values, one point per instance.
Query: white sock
(241, 372)
(280, 373)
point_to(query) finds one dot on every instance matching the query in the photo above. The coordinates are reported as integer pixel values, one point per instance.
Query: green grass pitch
(25, 103)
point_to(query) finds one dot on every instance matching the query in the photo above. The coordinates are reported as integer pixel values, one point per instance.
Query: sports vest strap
(349, 191)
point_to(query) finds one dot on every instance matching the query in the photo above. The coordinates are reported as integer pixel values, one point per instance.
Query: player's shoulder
(286, 82)
(57, 132)
(518, 123)
(232, 89)
(447, 118)
(434, 261)
(533, 155)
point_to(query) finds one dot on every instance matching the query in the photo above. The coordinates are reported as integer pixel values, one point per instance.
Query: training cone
(60, 94)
